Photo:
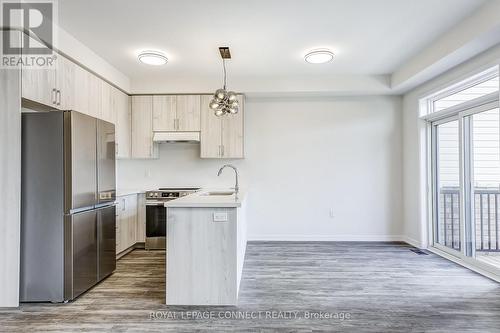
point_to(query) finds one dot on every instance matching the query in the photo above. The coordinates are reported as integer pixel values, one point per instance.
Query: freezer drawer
(106, 183)
(106, 224)
(80, 255)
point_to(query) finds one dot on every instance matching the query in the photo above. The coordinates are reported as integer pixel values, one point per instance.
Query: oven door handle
(155, 203)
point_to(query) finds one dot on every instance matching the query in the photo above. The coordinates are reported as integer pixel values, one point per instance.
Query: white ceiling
(267, 37)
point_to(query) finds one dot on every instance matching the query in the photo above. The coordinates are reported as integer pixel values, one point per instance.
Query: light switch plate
(220, 217)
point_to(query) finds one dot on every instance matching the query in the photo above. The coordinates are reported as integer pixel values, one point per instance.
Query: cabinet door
(142, 127)
(39, 85)
(211, 131)
(95, 96)
(107, 109)
(118, 226)
(164, 118)
(81, 93)
(132, 219)
(140, 235)
(65, 83)
(188, 113)
(232, 133)
(123, 123)
(123, 220)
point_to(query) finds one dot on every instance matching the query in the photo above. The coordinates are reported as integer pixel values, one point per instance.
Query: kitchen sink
(219, 193)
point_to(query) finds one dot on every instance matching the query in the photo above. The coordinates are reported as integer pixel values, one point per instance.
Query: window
(480, 89)
(477, 86)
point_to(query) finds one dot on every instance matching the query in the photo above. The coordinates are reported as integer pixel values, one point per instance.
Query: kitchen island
(206, 243)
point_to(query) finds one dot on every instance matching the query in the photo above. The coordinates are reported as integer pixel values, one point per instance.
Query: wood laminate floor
(374, 287)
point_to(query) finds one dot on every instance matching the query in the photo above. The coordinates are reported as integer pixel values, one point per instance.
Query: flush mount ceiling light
(155, 58)
(223, 101)
(320, 56)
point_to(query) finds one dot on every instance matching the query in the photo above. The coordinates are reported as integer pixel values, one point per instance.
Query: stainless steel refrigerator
(68, 240)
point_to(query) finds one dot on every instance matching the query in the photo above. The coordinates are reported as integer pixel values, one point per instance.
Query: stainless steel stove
(156, 214)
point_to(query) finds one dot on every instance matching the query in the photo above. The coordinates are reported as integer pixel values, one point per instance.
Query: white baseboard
(413, 242)
(327, 238)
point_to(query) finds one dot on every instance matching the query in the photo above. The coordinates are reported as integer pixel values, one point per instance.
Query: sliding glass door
(466, 184)
(447, 194)
(484, 166)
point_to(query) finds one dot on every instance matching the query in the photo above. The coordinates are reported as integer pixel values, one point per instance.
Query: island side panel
(242, 241)
(201, 257)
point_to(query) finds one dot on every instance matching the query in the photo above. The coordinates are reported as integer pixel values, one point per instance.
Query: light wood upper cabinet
(107, 103)
(232, 133)
(211, 131)
(164, 113)
(95, 96)
(142, 127)
(65, 83)
(39, 85)
(54, 88)
(176, 113)
(188, 113)
(123, 130)
(221, 137)
(81, 90)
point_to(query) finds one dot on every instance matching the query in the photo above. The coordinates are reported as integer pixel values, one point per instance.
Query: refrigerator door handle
(106, 205)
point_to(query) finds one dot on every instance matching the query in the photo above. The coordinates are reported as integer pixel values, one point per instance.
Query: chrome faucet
(236, 186)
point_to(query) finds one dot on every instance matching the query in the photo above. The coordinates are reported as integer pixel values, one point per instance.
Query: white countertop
(124, 192)
(200, 199)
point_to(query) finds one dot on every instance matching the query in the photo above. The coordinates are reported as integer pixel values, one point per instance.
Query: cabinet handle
(222, 150)
(54, 96)
(58, 97)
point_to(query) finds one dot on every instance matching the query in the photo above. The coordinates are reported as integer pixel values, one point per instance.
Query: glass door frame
(462, 113)
(435, 184)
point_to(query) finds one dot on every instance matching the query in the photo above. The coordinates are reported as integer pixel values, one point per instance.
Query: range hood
(176, 137)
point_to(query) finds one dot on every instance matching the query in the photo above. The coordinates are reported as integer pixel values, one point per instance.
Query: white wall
(303, 157)
(414, 153)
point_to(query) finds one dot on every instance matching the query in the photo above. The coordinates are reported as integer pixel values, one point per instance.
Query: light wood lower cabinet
(126, 222)
(141, 218)
(221, 137)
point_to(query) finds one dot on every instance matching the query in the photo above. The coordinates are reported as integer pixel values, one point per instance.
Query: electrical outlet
(332, 215)
(220, 217)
